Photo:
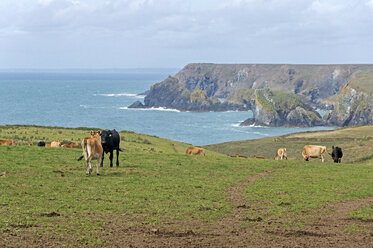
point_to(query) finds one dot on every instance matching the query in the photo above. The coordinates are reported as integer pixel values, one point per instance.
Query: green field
(160, 197)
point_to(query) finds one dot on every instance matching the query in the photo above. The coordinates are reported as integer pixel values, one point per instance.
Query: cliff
(354, 104)
(198, 87)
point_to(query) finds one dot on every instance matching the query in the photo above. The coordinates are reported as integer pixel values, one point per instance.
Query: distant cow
(258, 157)
(336, 154)
(240, 156)
(110, 140)
(195, 151)
(71, 145)
(56, 143)
(41, 143)
(281, 154)
(30, 143)
(92, 150)
(311, 151)
(8, 142)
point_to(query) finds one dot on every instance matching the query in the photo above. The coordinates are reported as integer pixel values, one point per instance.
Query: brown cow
(47, 145)
(8, 142)
(56, 143)
(240, 156)
(30, 143)
(281, 154)
(71, 145)
(312, 151)
(195, 151)
(258, 157)
(92, 150)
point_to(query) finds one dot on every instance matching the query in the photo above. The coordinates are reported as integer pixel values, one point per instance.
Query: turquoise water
(76, 99)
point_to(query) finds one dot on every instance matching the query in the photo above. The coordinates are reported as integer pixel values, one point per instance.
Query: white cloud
(209, 30)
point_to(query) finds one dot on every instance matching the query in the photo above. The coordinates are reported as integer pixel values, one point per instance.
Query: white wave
(236, 125)
(120, 94)
(152, 109)
(262, 134)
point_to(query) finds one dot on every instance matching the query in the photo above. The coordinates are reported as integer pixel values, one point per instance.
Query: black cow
(41, 143)
(336, 154)
(110, 141)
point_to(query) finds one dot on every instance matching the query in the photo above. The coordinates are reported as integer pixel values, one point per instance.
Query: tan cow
(258, 157)
(281, 154)
(8, 142)
(56, 143)
(312, 151)
(195, 151)
(71, 145)
(92, 150)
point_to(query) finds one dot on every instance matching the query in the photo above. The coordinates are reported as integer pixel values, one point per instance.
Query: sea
(100, 99)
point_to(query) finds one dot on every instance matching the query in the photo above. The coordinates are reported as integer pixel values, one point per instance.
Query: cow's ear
(99, 133)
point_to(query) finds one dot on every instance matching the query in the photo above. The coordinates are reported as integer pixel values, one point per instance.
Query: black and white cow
(336, 154)
(110, 140)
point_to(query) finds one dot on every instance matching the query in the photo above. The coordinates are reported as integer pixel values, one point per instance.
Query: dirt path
(236, 230)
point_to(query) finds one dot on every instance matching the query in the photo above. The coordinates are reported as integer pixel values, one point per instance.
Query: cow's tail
(85, 151)
(119, 149)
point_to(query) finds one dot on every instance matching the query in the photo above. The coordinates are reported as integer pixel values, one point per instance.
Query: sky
(60, 34)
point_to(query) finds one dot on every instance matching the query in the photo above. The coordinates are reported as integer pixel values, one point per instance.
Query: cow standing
(195, 151)
(92, 150)
(336, 154)
(110, 140)
(312, 151)
(281, 154)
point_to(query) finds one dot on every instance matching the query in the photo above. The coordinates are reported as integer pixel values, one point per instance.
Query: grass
(356, 143)
(157, 184)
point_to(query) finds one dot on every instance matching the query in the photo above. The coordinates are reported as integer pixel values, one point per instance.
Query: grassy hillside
(160, 197)
(356, 142)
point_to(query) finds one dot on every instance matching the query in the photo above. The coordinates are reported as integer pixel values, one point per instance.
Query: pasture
(160, 197)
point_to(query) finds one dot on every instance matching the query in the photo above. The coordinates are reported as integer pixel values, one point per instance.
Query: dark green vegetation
(46, 199)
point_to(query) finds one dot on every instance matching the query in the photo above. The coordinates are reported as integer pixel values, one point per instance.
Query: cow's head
(107, 138)
(95, 133)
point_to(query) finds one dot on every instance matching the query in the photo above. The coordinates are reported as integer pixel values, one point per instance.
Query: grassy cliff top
(356, 142)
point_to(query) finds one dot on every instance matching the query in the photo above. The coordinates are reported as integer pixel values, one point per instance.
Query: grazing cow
(41, 143)
(110, 140)
(30, 143)
(240, 156)
(281, 154)
(8, 142)
(92, 150)
(258, 157)
(195, 151)
(311, 151)
(56, 143)
(336, 154)
(71, 145)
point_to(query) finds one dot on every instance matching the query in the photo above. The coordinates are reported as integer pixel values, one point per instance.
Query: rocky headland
(278, 95)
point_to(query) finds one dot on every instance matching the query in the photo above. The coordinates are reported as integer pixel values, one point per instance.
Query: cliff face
(275, 108)
(278, 95)
(313, 83)
(354, 105)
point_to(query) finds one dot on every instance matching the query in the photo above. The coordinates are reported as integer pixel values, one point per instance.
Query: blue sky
(171, 33)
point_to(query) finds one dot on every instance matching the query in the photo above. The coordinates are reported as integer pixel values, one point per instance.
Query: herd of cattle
(93, 149)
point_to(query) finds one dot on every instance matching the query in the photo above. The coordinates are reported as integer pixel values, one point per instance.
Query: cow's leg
(111, 158)
(102, 159)
(117, 157)
(97, 165)
(322, 158)
(89, 170)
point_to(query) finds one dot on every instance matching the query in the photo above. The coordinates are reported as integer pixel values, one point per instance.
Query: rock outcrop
(275, 108)
(354, 105)
(269, 92)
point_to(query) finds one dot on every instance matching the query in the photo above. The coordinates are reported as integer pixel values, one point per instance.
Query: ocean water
(100, 99)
